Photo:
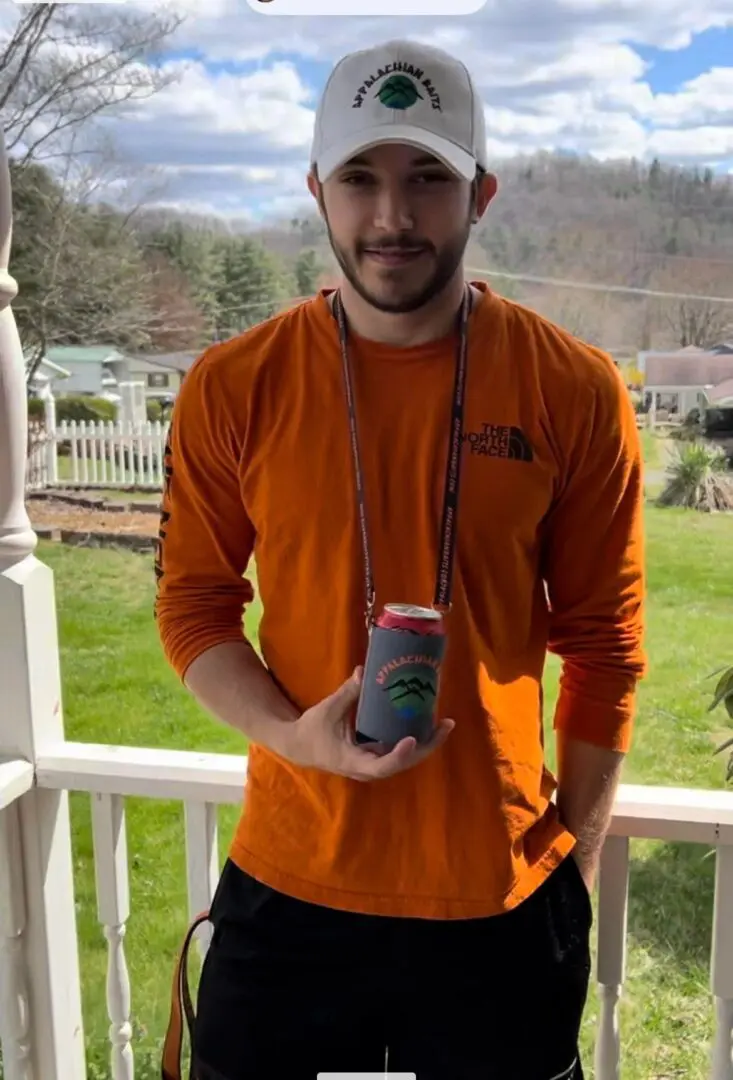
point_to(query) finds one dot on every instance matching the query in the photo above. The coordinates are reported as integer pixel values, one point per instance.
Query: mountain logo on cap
(398, 92)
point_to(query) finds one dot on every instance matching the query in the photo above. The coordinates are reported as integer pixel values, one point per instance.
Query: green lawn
(66, 472)
(657, 449)
(118, 689)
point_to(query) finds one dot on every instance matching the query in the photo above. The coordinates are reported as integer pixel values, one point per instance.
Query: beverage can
(401, 680)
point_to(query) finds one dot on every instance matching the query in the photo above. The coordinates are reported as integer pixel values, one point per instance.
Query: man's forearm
(231, 682)
(588, 778)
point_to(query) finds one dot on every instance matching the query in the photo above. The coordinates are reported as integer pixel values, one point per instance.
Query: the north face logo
(499, 441)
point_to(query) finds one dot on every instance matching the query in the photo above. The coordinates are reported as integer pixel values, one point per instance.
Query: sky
(609, 78)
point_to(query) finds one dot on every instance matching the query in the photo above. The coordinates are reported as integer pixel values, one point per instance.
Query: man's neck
(429, 323)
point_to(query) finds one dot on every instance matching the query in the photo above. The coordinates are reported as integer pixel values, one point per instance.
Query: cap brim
(452, 156)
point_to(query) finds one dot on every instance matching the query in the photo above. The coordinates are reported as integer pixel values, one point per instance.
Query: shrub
(36, 409)
(79, 407)
(698, 479)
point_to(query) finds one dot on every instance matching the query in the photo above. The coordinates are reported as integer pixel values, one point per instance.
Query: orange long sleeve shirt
(549, 556)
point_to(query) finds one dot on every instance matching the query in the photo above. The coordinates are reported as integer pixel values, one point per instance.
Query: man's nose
(393, 212)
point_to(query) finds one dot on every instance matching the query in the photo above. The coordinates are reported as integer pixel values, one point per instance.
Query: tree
(66, 64)
(254, 286)
(311, 230)
(655, 174)
(308, 269)
(702, 323)
(81, 270)
(177, 323)
(197, 254)
(88, 275)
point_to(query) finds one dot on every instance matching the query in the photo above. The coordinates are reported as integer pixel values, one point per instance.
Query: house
(162, 373)
(46, 375)
(650, 354)
(90, 368)
(98, 370)
(689, 351)
(683, 380)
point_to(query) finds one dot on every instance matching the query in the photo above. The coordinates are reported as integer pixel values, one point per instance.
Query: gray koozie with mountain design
(400, 686)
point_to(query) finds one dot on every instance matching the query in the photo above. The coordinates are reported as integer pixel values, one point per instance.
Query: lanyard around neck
(449, 517)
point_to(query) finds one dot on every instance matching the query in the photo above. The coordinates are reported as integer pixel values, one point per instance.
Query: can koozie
(399, 691)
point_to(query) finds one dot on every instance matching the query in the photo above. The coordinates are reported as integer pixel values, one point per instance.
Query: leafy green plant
(82, 407)
(698, 479)
(723, 695)
(36, 409)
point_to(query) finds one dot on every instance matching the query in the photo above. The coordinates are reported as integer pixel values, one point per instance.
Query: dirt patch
(54, 514)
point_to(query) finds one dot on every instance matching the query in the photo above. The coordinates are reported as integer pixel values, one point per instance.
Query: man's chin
(397, 305)
(395, 295)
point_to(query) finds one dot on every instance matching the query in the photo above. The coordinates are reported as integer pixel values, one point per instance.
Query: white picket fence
(96, 454)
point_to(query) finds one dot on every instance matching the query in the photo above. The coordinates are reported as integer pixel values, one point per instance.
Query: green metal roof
(82, 354)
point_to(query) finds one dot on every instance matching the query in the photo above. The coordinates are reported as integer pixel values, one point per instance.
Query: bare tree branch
(66, 64)
(700, 323)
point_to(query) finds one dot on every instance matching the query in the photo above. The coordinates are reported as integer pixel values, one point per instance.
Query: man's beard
(446, 263)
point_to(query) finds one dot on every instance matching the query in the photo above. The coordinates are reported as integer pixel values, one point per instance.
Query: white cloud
(499, 28)
(711, 144)
(666, 24)
(269, 102)
(554, 74)
(706, 99)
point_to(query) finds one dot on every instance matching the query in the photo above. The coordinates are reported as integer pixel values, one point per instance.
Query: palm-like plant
(724, 696)
(698, 479)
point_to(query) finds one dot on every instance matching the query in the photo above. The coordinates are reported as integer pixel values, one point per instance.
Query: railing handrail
(139, 770)
(16, 777)
(641, 811)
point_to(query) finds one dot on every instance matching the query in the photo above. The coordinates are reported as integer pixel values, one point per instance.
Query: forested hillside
(89, 273)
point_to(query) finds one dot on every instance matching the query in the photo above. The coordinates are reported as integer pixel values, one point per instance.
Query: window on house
(157, 380)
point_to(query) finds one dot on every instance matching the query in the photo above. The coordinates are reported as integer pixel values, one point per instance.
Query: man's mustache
(394, 243)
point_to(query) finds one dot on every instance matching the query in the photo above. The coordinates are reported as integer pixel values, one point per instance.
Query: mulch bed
(82, 519)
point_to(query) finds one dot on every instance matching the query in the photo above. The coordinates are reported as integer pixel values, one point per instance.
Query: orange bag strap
(181, 1006)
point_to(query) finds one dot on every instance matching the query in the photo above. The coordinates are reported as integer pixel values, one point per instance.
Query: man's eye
(432, 178)
(356, 178)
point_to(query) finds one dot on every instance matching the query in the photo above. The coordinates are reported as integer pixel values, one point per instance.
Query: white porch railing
(202, 782)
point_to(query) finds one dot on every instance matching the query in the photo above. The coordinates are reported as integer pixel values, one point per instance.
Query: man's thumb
(349, 690)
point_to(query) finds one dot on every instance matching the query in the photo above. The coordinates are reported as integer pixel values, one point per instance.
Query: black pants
(290, 989)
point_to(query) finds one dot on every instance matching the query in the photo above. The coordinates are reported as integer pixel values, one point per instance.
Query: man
(430, 904)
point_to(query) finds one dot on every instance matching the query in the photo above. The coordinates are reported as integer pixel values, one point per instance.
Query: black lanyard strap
(449, 517)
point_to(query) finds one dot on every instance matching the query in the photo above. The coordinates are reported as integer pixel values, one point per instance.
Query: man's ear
(314, 186)
(485, 190)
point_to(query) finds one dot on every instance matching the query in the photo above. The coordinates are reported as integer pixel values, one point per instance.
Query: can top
(412, 611)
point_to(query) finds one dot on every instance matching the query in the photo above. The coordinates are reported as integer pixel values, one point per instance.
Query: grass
(118, 689)
(655, 447)
(66, 475)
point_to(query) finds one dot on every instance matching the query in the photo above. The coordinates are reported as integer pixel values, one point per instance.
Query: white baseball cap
(400, 92)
